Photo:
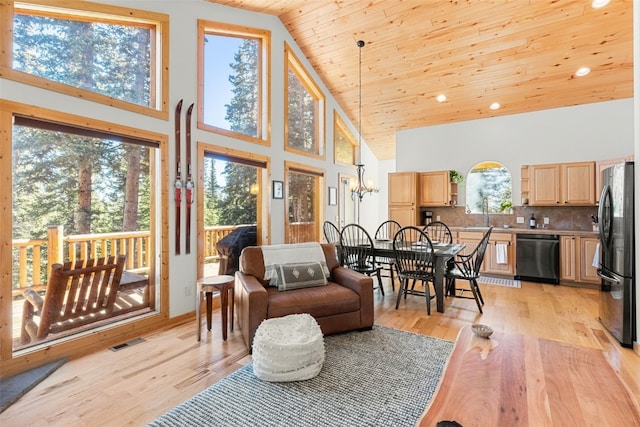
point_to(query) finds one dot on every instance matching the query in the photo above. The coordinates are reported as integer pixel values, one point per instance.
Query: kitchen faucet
(485, 210)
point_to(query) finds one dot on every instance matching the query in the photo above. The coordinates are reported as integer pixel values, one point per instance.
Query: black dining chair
(414, 256)
(467, 267)
(332, 235)
(386, 231)
(358, 252)
(438, 232)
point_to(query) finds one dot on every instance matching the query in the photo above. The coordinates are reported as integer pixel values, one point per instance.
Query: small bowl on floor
(483, 331)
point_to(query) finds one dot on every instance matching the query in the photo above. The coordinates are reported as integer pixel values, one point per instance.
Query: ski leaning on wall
(189, 181)
(178, 184)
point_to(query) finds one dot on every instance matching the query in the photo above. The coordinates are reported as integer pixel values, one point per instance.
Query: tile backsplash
(560, 218)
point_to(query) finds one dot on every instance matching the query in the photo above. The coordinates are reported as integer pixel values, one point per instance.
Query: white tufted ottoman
(289, 348)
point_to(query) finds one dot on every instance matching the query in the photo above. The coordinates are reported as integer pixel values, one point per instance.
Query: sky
(218, 55)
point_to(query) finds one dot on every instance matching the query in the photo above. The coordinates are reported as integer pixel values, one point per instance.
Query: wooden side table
(208, 285)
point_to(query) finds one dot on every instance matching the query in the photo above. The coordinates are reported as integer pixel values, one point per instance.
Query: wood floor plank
(136, 385)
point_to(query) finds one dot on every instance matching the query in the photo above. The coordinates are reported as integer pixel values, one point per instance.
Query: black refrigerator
(617, 253)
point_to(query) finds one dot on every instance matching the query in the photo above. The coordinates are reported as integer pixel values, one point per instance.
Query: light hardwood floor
(135, 385)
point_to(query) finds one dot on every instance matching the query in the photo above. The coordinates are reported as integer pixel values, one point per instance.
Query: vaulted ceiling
(522, 54)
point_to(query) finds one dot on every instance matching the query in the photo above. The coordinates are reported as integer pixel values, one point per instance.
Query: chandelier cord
(361, 189)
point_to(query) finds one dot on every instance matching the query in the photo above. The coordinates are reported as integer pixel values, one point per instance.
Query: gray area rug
(500, 282)
(382, 377)
(13, 388)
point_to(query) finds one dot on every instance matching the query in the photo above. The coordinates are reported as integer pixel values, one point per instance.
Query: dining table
(442, 253)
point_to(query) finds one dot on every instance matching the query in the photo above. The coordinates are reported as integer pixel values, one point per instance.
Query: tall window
(345, 143)
(81, 194)
(82, 51)
(304, 113)
(303, 192)
(489, 188)
(233, 73)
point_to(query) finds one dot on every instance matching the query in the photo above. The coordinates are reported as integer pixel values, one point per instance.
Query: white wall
(587, 132)
(183, 85)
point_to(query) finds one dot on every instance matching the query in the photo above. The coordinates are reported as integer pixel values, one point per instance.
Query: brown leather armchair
(344, 304)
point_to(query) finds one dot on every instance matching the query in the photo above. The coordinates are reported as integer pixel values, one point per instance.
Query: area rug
(13, 388)
(500, 282)
(382, 377)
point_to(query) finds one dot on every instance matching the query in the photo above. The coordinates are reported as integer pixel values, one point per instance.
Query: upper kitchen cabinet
(562, 184)
(436, 189)
(544, 184)
(403, 196)
(403, 188)
(578, 181)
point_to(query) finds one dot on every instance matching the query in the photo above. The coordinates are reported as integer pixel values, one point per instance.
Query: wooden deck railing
(33, 258)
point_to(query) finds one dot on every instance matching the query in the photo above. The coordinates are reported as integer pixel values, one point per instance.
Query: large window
(345, 143)
(489, 188)
(84, 50)
(304, 112)
(233, 75)
(82, 189)
(303, 193)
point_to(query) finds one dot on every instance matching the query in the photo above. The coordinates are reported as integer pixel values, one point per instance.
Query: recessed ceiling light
(494, 106)
(441, 98)
(597, 4)
(583, 71)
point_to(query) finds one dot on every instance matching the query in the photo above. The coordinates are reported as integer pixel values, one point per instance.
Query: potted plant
(505, 206)
(454, 176)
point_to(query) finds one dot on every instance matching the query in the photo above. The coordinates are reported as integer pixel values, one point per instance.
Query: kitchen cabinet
(403, 196)
(436, 189)
(567, 184)
(568, 260)
(576, 259)
(524, 184)
(490, 263)
(577, 185)
(404, 215)
(588, 247)
(544, 184)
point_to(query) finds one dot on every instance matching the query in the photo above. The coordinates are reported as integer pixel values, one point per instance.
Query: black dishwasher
(538, 257)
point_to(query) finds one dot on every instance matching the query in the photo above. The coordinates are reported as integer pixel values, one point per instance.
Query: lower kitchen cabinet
(576, 259)
(568, 260)
(405, 215)
(588, 247)
(490, 264)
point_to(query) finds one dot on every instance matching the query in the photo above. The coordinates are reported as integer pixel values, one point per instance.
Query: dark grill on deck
(230, 247)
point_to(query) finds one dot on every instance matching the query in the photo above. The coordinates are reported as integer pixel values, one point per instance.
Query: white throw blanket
(291, 254)
(502, 256)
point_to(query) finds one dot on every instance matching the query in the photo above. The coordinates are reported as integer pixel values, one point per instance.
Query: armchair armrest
(34, 299)
(251, 301)
(360, 284)
(32, 306)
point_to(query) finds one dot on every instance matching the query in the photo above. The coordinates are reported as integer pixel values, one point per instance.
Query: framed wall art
(278, 189)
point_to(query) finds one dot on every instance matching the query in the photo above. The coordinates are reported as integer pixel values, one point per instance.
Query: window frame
(119, 331)
(340, 128)
(293, 63)
(206, 27)
(472, 210)
(319, 175)
(93, 12)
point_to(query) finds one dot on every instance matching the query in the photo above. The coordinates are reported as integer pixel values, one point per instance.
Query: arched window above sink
(489, 188)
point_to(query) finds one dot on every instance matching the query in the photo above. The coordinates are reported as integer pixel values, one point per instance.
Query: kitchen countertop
(516, 230)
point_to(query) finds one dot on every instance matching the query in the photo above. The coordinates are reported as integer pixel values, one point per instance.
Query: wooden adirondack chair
(75, 296)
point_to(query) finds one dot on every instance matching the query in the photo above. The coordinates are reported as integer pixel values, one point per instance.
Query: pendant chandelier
(360, 189)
